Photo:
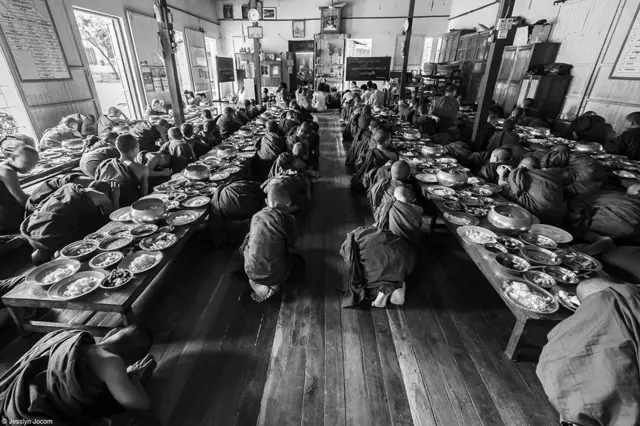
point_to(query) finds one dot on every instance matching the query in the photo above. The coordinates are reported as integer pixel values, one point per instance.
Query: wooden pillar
(256, 60)
(165, 32)
(407, 44)
(490, 77)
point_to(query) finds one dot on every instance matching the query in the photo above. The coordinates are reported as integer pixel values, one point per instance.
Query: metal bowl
(432, 149)
(226, 151)
(79, 250)
(509, 217)
(196, 172)
(540, 256)
(411, 134)
(562, 275)
(117, 242)
(496, 248)
(540, 131)
(589, 147)
(148, 210)
(539, 278)
(452, 178)
(508, 262)
(245, 132)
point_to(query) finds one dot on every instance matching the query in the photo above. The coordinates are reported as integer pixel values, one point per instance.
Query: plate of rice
(460, 218)
(182, 217)
(476, 235)
(566, 298)
(141, 261)
(440, 191)
(219, 176)
(76, 286)
(530, 297)
(52, 272)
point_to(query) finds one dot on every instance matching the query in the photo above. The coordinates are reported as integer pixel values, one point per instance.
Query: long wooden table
(48, 173)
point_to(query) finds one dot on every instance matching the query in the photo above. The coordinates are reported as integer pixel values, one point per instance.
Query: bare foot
(381, 300)
(397, 297)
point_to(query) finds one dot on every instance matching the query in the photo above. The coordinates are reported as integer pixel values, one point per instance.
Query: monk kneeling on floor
(382, 191)
(269, 260)
(67, 378)
(402, 216)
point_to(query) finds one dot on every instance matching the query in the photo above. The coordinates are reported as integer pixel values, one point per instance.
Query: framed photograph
(269, 13)
(297, 29)
(227, 11)
(245, 12)
(254, 32)
(330, 20)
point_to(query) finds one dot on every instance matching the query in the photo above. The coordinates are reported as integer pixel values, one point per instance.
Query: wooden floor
(225, 360)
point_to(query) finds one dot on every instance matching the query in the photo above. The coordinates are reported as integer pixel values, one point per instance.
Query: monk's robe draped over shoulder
(66, 216)
(46, 189)
(372, 160)
(589, 367)
(359, 145)
(114, 170)
(296, 185)
(381, 191)
(281, 165)
(287, 126)
(376, 261)
(90, 160)
(627, 143)
(227, 126)
(503, 138)
(181, 154)
(231, 209)
(593, 128)
(267, 260)
(458, 150)
(540, 192)
(446, 108)
(425, 125)
(403, 219)
(53, 381)
(52, 138)
(581, 173)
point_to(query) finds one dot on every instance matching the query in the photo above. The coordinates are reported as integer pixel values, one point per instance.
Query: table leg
(128, 318)
(517, 335)
(18, 317)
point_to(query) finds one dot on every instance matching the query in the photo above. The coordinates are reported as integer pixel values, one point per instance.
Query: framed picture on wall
(271, 56)
(330, 20)
(297, 29)
(254, 32)
(245, 12)
(269, 14)
(227, 11)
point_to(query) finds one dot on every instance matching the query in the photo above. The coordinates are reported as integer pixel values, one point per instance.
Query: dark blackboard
(226, 71)
(368, 68)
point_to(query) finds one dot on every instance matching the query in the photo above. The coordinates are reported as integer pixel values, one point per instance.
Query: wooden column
(490, 77)
(165, 32)
(256, 60)
(407, 44)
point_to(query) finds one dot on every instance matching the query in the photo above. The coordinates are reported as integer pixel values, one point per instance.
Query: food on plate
(142, 263)
(196, 202)
(80, 249)
(478, 237)
(522, 294)
(117, 277)
(495, 248)
(57, 274)
(120, 229)
(453, 205)
(440, 191)
(80, 286)
(538, 240)
(182, 219)
(232, 170)
(219, 176)
(481, 192)
(115, 244)
(476, 211)
(625, 174)
(510, 243)
(106, 259)
(159, 241)
(563, 275)
(568, 299)
(474, 181)
(458, 220)
(578, 260)
(96, 236)
(513, 262)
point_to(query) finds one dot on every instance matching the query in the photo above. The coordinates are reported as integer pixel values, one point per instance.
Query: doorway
(303, 63)
(104, 46)
(211, 46)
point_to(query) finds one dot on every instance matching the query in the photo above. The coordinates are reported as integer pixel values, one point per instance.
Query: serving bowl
(245, 132)
(79, 250)
(512, 263)
(432, 149)
(510, 218)
(148, 210)
(562, 275)
(540, 256)
(452, 178)
(588, 147)
(196, 172)
(411, 134)
(226, 151)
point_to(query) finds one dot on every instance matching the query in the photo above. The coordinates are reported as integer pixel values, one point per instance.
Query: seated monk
(113, 118)
(197, 145)
(155, 108)
(90, 160)
(459, 150)
(382, 191)
(295, 184)
(296, 160)
(402, 216)
(423, 121)
(361, 140)
(132, 177)
(231, 209)
(22, 159)
(305, 135)
(150, 136)
(539, 191)
(500, 156)
(589, 366)
(377, 262)
(69, 128)
(605, 218)
(628, 142)
(289, 124)
(269, 147)
(209, 134)
(446, 108)
(159, 165)
(581, 173)
(67, 378)
(269, 261)
(46, 189)
(528, 106)
(592, 128)
(68, 215)
(355, 118)
(102, 141)
(180, 151)
(373, 159)
(228, 124)
(406, 111)
(506, 137)
(519, 116)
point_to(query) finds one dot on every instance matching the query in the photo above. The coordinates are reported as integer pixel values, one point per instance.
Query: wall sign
(627, 65)
(33, 41)
(226, 71)
(368, 68)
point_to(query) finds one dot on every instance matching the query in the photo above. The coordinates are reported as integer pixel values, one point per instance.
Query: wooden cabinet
(472, 55)
(447, 49)
(516, 61)
(271, 73)
(548, 92)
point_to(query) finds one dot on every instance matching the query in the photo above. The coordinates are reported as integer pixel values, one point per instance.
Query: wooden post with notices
(256, 59)
(502, 38)
(165, 32)
(407, 43)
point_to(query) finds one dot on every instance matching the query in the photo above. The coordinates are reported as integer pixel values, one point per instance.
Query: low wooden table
(97, 303)
(44, 174)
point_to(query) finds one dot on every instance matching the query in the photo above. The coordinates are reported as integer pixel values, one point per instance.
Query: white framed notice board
(627, 65)
(33, 40)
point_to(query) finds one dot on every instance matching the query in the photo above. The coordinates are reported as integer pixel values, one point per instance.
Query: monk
(210, 134)
(159, 165)
(382, 191)
(446, 108)
(593, 128)
(228, 124)
(67, 378)
(528, 105)
(180, 151)
(289, 124)
(402, 216)
(113, 118)
(150, 136)
(506, 137)
(500, 156)
(69, 128)
(305, 135)
(628, 142)
(22, 159)
(269, 260)
(295, 160)
(361, 140)
(197, 145)
(132, 177)
(519, 116)
(581, 173)
(541, 192)
(377, 262)
(296, 185)
(90, 160)
(269, 147)
(154, 109)
(374, 158)
(423, 121)
(589, 367)
(43, 191)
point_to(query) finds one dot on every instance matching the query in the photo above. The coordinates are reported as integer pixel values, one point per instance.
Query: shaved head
(530, 163)
(405, 194)
(278, 197)
(500, 155)
(380, 137)
(272, 126)
(634, 118)
(305, 129)
(633, 189)
(228, 111)
(400, 170)
(300, 150)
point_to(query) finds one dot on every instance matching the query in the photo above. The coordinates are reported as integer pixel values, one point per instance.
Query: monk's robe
(403, 219)
(297, 186)
(533, 122)
(267, 260)
(66, 216)
(313, 142)
(54, 383)
(181, 154)
(589, 366)
(458, 150)
(52, 138)
(532, 112)
(581, 173)
(381, 191)
(503, 138)
(211, 140)
(593, 128)
(268, 149)
(45, 190)
(489, 172)
(106, 123)
(376, 261)
(346, 110)
(199, 149)
(627, 143)
(540, 192)
(287, 126)
(115, 170)
(612, 214)
(90, 160)
(281, 165)
(147, 134)
(406, 114)
(425, 125)
(143, 158)
(372, 160)
(557, 157)
(359, 145)
(231, 209)
(446, 108)
(11, 211)
(227, 126)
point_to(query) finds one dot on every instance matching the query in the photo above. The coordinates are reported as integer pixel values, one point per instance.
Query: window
(359, 48)
(428, 47)
(184, 73)
(212, 51)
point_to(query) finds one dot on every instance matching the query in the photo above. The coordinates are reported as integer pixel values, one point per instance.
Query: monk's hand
(139, 367)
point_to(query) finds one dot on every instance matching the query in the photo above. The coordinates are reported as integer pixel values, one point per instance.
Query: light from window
(428, 45)
(359, 48)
